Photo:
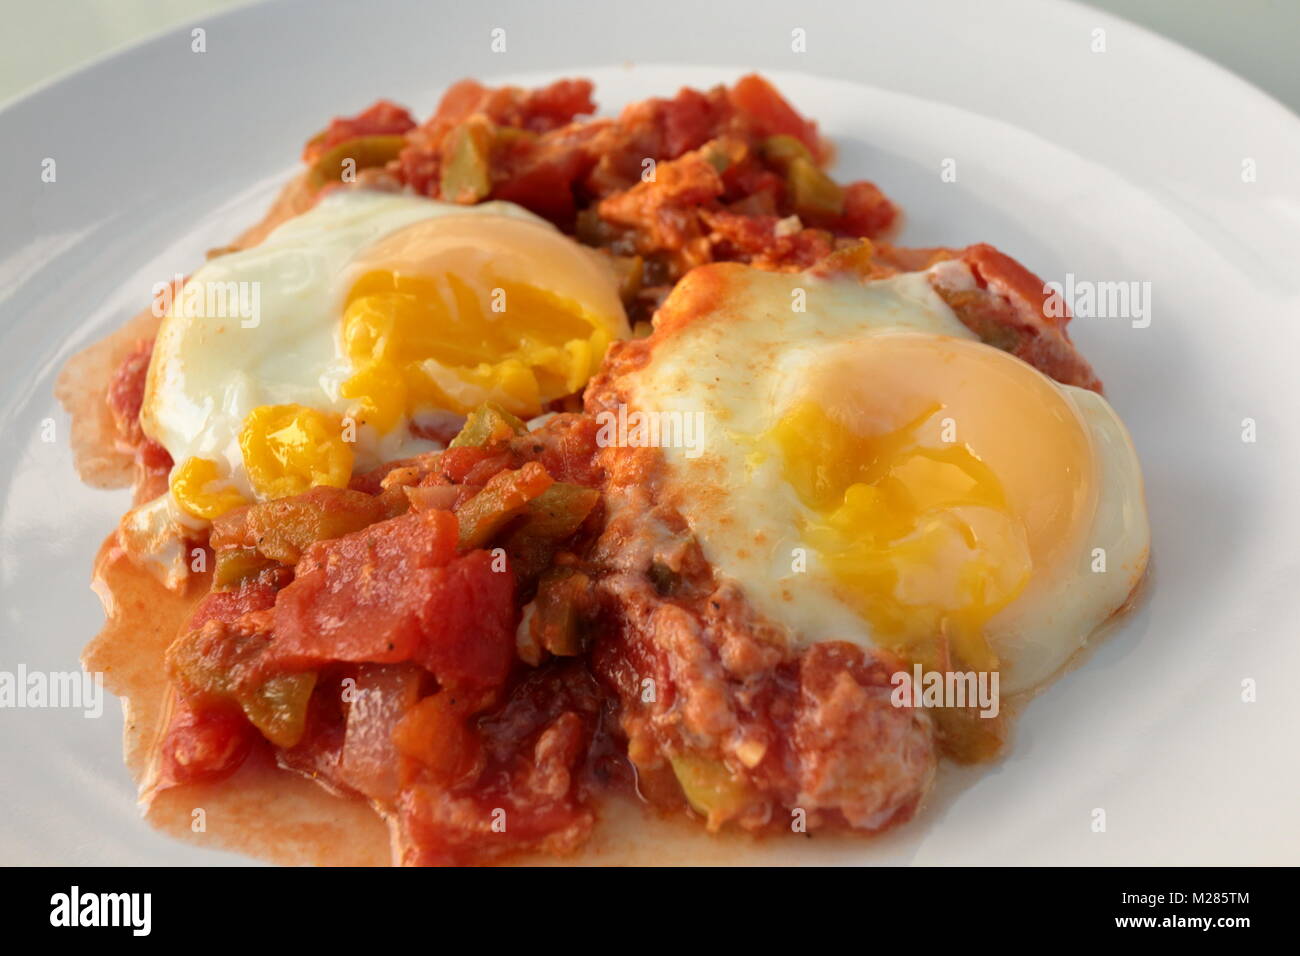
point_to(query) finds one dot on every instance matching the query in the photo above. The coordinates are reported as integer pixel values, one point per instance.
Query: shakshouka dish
(521, 464)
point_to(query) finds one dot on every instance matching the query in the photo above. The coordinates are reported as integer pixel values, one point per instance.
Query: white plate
(1125, 164)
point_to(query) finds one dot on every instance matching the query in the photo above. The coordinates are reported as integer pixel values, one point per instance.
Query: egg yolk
(289, 449)
(455, 312)
(939, 475)
(198, 489)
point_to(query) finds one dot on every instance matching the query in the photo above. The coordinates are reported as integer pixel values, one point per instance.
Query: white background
(1256, 39)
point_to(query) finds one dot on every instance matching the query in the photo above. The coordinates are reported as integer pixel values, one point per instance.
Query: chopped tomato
(759, 100)
(360, 597)
(867, 213)
(690, 119)
(1007, 276)
(384, 118)
(125, 398)
(460, 100)
(540, 110)
(527, 759)
(545, 185)
(395, 592)
(1009, 309)
(204, 744)
(126, 391)
(569, 449)
(456, 464)
(252, 594)
(437, 829)
(469, 620)
(752, 183)
(154, 457)
(754, 239)
(557, 104)
(487, 468)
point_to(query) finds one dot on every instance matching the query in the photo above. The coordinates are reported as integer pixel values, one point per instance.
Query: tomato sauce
(406, 641)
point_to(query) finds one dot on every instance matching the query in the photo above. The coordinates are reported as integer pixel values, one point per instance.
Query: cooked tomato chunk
(396, 592)
(384, 118)
(252, 594)
(515, 781)
(204, 744)
(469, 622)
(126, 392)
(358, 597)
(759, 99)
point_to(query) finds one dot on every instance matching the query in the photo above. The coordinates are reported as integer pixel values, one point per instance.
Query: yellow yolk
(940, 474)
(921, 539)
(289, 449)
(198, 489)
(451, 313)
(416, 349)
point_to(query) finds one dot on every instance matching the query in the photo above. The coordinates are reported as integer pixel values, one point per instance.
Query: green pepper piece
(486, 425)
(811, 191)
(283, 528)
(631, 276)
(710, 788)
(278, 707)
(365, 152)
(781, 150)
(503, 498)
(553, 515)
(219, 662)
(236, 565)
(556, 622)
(717, 155)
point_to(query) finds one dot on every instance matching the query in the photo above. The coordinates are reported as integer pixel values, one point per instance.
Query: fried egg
(871, 472)
(322, 350)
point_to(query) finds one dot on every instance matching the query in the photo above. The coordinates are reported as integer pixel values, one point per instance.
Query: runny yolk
(290, 449)
(199, 490)
(287, 450)
(456, 311)
(921, 539)
(939, 474)
(453, 343)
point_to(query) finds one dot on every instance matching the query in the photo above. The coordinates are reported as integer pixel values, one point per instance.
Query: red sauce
(473, 756)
